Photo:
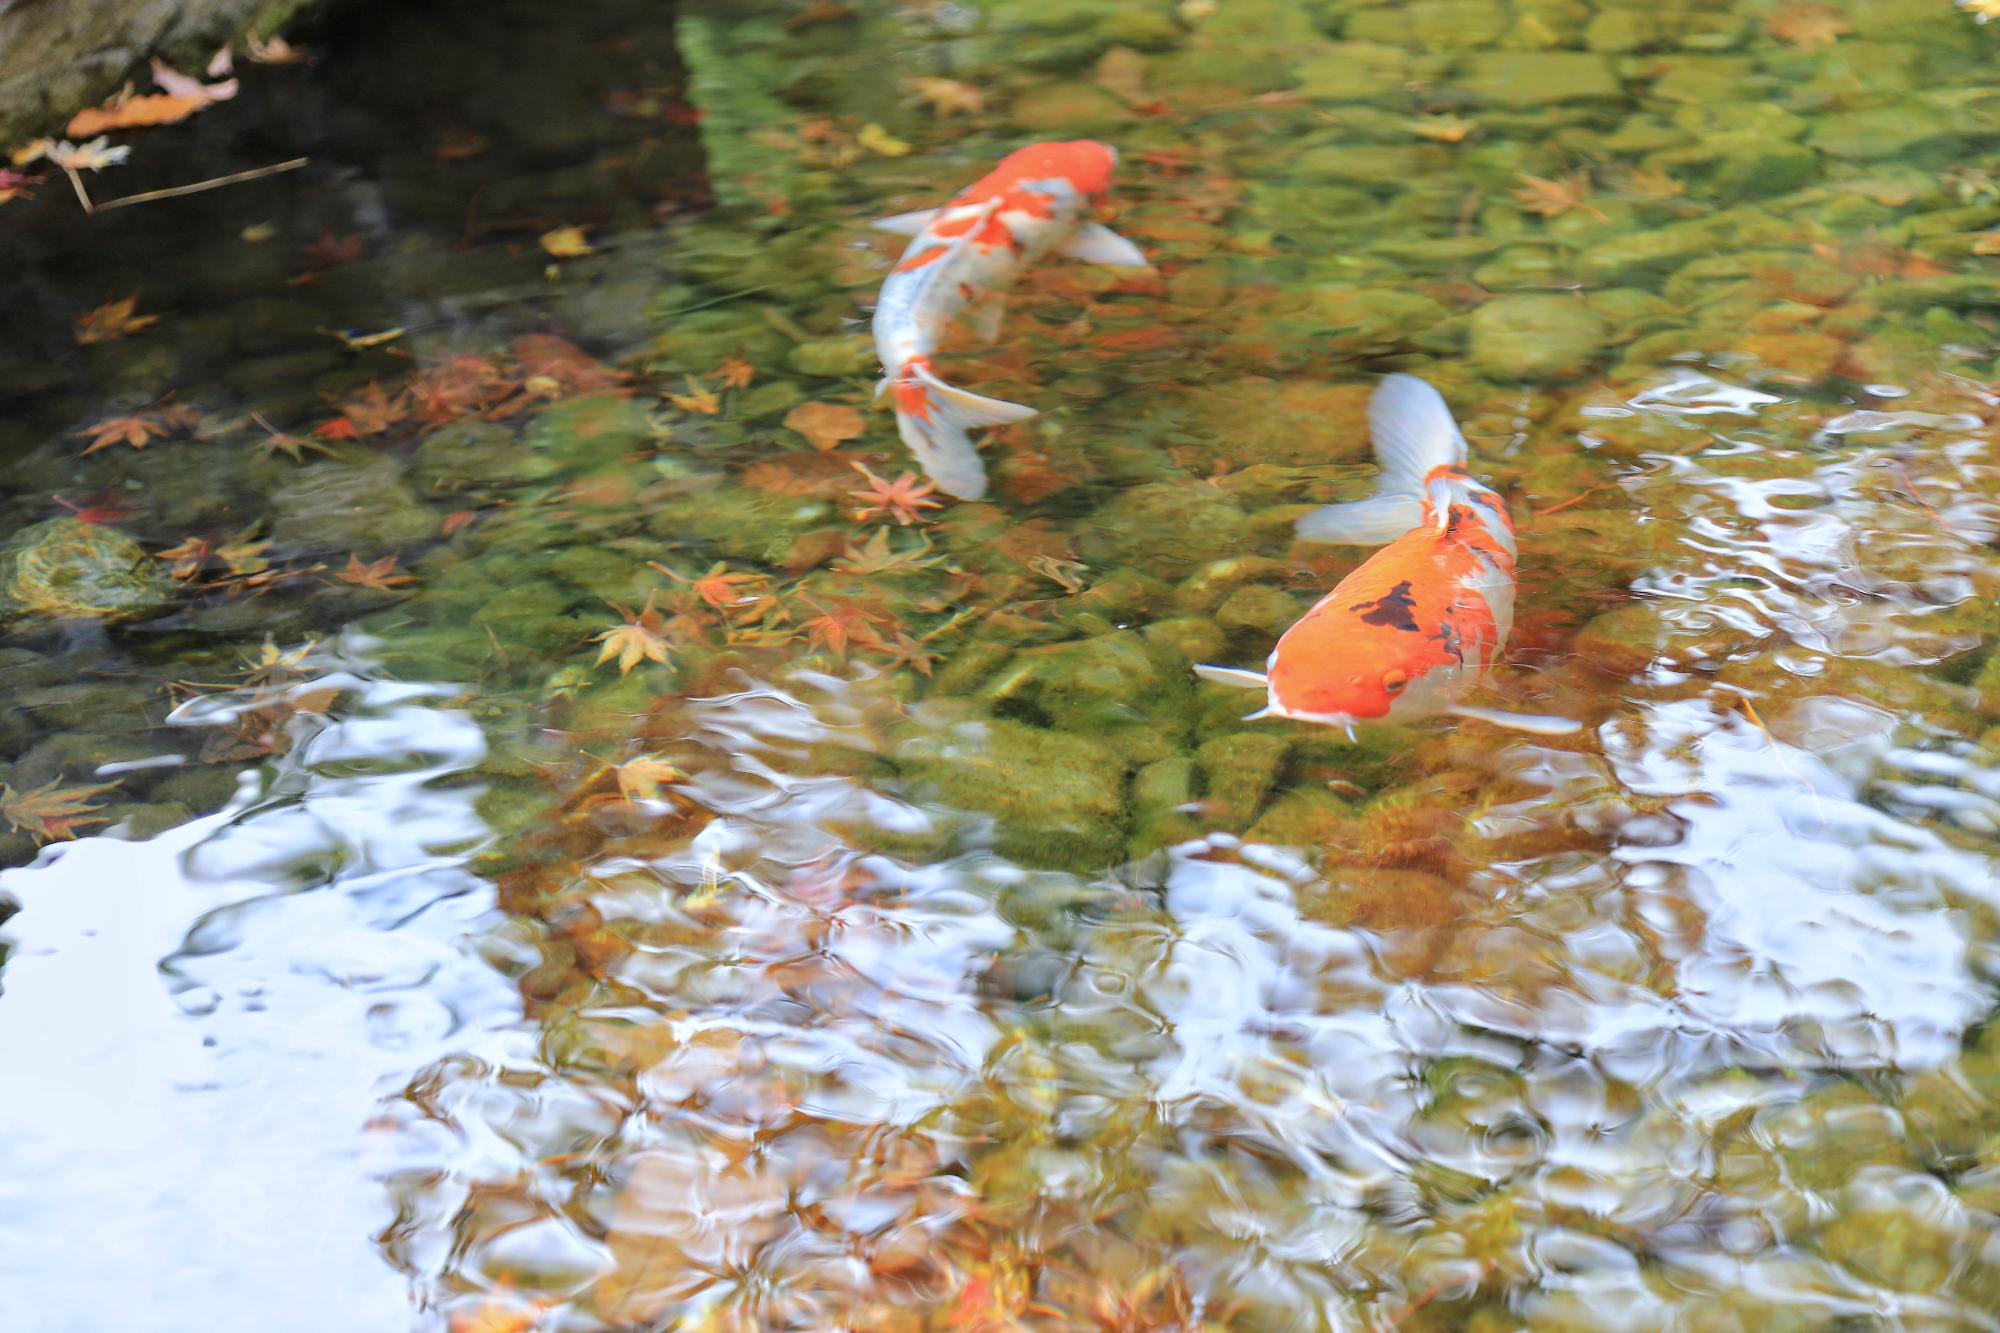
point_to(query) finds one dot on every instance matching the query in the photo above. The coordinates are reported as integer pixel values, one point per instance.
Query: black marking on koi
(1394, 608)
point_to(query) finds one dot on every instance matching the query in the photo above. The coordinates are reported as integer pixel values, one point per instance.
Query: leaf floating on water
(49, 813)
(139, 429)
(737, 373)
(696, 399)
(567, 243)
(112, 320)
(825, 425)
(1442, 129)
(949, 96)
(903, 499)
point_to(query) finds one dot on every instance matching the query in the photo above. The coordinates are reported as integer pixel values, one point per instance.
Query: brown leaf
(949, 96)
(112, 320)
(639, 639)
(1553, 198)
(128, 112)
(1808, 25)
(825, 425)
(640, 779)
(49, 813)
(380, 575)
(737, 373)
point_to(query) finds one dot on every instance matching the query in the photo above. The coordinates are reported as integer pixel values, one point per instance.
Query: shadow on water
(569, 869)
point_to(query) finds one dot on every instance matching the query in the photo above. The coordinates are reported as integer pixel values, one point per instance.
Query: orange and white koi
(1425, 617)
(960, 263)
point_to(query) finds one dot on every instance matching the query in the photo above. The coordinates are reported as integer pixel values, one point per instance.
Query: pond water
(534, 852)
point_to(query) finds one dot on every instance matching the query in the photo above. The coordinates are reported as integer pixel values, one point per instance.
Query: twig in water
(195, 188)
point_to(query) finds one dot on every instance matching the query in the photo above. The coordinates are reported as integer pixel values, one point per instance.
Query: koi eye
(1394, 679)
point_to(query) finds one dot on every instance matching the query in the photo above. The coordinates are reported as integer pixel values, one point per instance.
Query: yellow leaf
(638, 640)
(113, 319)
(640, 779)
(567, 243)
(696, 399)
(878, 140)
(946, 96)
(1442, 129)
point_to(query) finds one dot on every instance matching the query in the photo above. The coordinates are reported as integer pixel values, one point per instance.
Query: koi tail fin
(1413, 433)
(935, 420)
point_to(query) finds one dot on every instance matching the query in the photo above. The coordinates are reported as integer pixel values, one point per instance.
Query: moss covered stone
(1058, 799)
(65, 568)
(1536, 336)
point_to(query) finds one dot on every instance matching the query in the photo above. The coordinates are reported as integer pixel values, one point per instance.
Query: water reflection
(197, 1026)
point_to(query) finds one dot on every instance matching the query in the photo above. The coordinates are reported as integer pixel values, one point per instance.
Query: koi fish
(1425, 617)
(960, 263)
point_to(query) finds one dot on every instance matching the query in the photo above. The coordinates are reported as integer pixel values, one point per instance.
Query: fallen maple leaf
(567, 243)
(187, 558)
(93, 156)
(1553, 198)
(719, 588)
(14, 184)
(134, 430)
(372, 413)
(380, 575)
(330, 250)
(546, 356)
(181, 85)
(277, 51)
(903, 499)
(641, 778)
(850, 622)
(1808, 25)
(876, 556)
(50, 813)
(825, 425)
(128, 112)
(696, 399)
(1442, 129)
(638, 640)
(1646, 184)
(948, 96)
(737, 373)
(878, 140)
(462, 519)
(113, 319)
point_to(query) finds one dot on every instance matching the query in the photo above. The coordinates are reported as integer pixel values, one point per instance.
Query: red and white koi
(959, 265)
(1425, 617)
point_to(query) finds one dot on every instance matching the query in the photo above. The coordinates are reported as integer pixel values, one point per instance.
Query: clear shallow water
(1031, 988)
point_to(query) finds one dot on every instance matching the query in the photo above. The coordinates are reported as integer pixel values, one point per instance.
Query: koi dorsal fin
(906, 224)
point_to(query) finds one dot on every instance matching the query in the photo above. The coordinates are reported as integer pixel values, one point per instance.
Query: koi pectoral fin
(1095, 244)
(906, 224)
(1236, 676)
(1535, 724)
(985, 316)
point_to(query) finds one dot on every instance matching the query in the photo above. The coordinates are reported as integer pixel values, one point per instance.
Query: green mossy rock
(1165, 528)
(64, 568)
(1536, 336)
(469, 455)
(1058, 798)
(591, 431)
(1539, 78)
(1069, 109)
(1874, 133)
(1352, 71)
(832, 358)
(1238, 772)
(337, 507)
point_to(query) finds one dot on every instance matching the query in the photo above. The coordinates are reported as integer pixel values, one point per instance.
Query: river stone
(1880, 132)
(65, 568)
(1539, 78)
(1166, 528)
(337, 508)
(1065, 108)
(1531, 335)
(469, 454)
(1059, 798)
(832, 358)
(1352, 71)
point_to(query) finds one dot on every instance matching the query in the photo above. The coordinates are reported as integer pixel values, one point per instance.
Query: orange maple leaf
(133, 430)
(1553, 198)
(380, 575)
(696, 399)
(903, 499)
(49, 813)
(113, 319)
(824, 425)
(737, 373)
(127, 112)
(719, 588)
(1808, 25)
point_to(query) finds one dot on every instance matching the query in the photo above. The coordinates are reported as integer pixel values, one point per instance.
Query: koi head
(1347, 693)
(1084, 163)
